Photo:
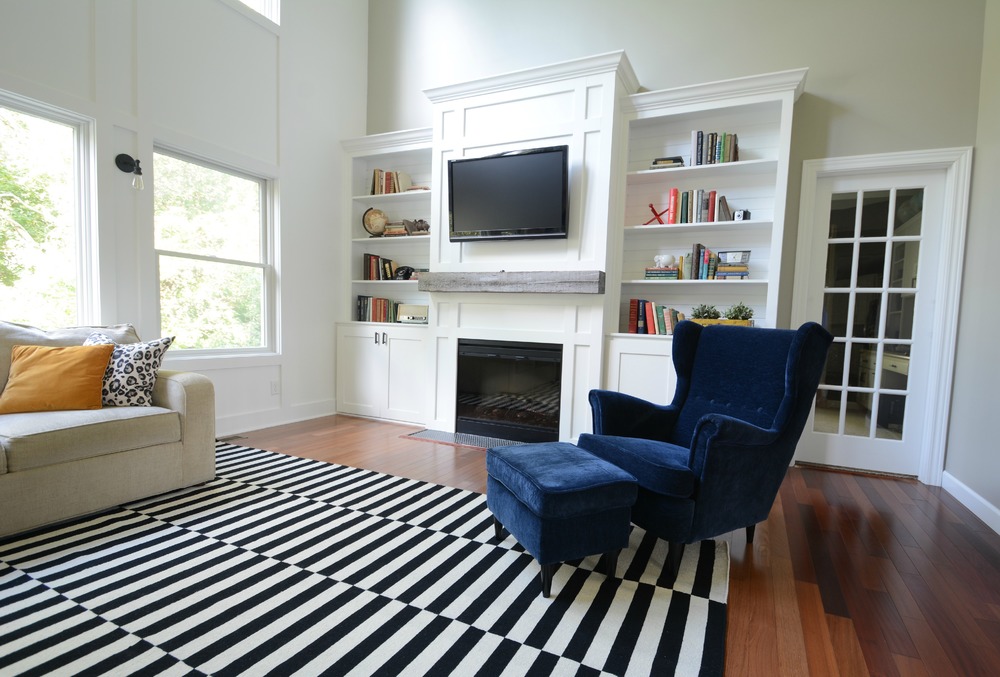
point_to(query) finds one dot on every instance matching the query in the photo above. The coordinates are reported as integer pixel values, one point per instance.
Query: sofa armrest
(193, 397)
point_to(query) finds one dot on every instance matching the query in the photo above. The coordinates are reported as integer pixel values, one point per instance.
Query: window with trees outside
(212, 233)
(44, 247)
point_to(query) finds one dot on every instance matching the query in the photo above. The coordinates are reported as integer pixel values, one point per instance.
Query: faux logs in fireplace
(509, 390)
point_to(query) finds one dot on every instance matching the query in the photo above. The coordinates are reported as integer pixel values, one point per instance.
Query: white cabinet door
(382, 371)
(407, 378)
(361, 370)
(642, 367)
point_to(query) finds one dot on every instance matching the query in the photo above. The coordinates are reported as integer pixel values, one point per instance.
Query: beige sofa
(56, 465)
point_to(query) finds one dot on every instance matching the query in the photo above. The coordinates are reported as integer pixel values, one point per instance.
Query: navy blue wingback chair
(713, 459)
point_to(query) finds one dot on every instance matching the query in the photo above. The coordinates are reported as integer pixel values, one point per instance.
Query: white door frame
(957, 165)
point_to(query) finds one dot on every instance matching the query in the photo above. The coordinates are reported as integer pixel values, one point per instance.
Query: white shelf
(714, 226)
(743, 167)
(694, 282)
(759, 110)
(408, 196)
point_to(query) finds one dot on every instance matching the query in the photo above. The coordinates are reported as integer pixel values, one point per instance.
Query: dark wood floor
(850, 574)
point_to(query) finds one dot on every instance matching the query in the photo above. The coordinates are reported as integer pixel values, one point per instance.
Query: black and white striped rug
(289, 566)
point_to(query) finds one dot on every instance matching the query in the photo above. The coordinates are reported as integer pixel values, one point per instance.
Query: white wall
(973, 463)
(211, 78)
(893, 75)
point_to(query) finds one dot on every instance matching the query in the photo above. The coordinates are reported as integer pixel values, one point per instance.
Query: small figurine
(416, 227)
(664, 260)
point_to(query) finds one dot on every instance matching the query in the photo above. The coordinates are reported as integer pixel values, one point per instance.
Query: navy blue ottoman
(560, 502)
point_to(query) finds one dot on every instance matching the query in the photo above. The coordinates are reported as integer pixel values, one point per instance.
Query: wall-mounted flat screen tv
(516, 195)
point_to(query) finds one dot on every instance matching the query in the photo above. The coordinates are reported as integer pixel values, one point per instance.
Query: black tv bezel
(561, 232)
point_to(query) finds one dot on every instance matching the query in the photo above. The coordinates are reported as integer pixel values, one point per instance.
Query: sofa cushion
(13, 334)
(131, 371)
(54, 378)
(38, 439)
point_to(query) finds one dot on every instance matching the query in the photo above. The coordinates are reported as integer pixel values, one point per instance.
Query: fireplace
(509, 390)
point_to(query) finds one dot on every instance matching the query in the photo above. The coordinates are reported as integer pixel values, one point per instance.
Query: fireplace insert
(509, 390)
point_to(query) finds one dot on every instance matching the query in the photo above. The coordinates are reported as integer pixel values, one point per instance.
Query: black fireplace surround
(509, 390)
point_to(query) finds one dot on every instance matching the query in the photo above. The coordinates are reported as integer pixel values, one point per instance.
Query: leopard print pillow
(131, 372)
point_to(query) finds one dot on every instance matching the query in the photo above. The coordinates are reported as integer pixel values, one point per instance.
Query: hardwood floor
(850, 574)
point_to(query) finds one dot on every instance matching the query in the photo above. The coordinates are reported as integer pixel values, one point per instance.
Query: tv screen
(510, 196)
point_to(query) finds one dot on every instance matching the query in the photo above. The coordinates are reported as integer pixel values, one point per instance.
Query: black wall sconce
(130, 166)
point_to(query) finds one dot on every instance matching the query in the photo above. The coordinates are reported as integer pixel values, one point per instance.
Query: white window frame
(269, 312)
(84, 215)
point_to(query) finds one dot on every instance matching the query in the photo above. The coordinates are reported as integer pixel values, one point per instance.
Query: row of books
(709, 148)
(697, 206)
(375, 267)
(648, 317)
(705, 264)
(385, 182)
(375, 309)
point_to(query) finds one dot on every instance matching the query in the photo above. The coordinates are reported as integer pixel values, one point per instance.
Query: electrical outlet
(275, 388)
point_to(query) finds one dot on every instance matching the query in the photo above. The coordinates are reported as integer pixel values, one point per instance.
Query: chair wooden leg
(497, 529)
(675, 552)
(547, 571)
(750, 531)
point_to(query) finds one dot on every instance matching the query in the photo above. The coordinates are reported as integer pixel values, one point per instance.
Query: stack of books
(733, 265)
(667, 162)
(668, 273)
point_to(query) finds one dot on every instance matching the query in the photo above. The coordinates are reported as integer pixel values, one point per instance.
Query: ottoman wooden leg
(497, 529)
(608, 564)
(547, 571)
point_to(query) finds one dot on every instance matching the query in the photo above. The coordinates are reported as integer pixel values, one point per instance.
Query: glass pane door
(869, 296)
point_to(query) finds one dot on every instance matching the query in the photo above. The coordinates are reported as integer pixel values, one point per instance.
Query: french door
(870, 269)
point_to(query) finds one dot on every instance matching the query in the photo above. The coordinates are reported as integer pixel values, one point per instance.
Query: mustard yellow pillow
(47, 378)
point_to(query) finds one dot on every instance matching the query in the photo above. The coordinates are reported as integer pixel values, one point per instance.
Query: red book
(650, 318)
(711, 206)
(633, 316)
(672, 206)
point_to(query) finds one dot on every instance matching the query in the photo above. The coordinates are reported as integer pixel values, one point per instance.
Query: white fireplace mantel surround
(544, 291)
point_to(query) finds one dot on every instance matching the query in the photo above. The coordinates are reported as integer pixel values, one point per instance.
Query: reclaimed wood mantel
(516, 282)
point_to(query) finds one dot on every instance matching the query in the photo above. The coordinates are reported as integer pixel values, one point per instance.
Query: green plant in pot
(739, 311)
(705, 312)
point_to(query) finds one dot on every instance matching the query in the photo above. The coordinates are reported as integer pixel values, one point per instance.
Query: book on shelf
(672, 205)
(709, 148)
(665, 273)
(649, 317)
(376, 309)
(388, 182)
(724, 212)
(700, 205)
(667, 162)
(375, 267)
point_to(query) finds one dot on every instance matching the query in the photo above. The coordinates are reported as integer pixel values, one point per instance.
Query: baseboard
(241, 423)
(982, 508)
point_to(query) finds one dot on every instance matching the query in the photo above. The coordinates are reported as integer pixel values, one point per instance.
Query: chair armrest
(193, 397)
(740, 468)
(629, 416)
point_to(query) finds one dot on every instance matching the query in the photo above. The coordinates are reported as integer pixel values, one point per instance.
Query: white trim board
(957, 164)
(979, 506)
